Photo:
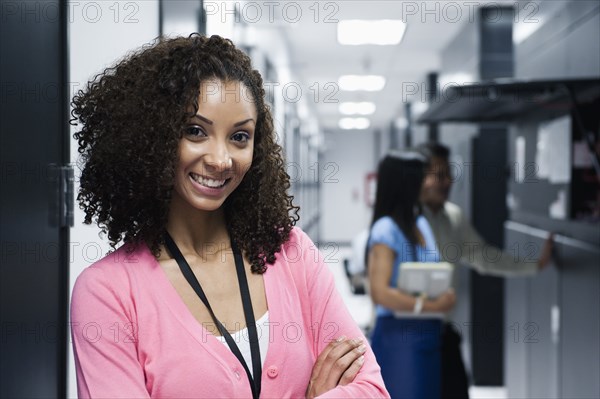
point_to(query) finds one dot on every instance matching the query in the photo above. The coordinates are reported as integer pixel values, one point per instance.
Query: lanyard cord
(255, 382)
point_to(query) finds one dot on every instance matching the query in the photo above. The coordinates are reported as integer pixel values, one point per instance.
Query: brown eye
(195, 131)
(241, 137)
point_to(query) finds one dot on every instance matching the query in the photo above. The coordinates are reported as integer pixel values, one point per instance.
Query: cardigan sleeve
(104, 340)
(333, 319)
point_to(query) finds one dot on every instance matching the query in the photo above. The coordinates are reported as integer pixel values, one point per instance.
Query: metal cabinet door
(580, 319)
(540, 333)
(531, 341)
(516, 310)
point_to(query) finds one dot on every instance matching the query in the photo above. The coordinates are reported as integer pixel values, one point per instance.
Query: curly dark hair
(133, 116)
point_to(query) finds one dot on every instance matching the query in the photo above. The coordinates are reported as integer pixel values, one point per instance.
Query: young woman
(214, 292)
(406, 336)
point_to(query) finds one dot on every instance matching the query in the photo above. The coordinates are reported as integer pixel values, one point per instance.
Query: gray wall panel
(581, 61)
(565, 45)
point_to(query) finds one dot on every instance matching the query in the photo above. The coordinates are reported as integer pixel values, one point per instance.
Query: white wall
(346, 162)
(99, 33)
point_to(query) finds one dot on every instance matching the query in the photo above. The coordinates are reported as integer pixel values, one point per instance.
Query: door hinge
(61, 179)
(65, 216)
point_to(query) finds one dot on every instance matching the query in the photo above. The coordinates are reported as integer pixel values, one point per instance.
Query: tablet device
(428, 278)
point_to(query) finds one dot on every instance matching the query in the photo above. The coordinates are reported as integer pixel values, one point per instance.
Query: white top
(243, 342)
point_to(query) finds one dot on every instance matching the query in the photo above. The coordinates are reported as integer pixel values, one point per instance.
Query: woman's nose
(218, 158)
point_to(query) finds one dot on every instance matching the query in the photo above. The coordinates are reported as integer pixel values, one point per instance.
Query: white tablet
(429, 278)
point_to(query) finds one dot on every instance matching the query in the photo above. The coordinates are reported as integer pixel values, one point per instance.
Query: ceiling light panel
(361, 82)
(354, 123)
(357, 108)
(383, 32)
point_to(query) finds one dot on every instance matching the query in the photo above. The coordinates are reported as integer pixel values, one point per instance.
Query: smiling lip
(209, 191)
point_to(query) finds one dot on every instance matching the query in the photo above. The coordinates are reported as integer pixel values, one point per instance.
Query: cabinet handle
(555, 324)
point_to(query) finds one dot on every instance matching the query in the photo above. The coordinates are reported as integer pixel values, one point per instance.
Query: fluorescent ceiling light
(361, 82)
(380, 32)
(354, 123)
(363, 108)
(455, 79)
(401, 123)
(523, 30)
(419, 107)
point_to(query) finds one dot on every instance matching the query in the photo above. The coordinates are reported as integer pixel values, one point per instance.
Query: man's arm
(488, 259)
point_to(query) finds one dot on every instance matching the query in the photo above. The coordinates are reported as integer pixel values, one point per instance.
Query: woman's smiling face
(216, 148)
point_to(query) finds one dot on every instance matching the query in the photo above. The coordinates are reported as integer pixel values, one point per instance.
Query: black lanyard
(248, 312)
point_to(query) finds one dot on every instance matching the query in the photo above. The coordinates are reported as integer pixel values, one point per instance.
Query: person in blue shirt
(406, 337)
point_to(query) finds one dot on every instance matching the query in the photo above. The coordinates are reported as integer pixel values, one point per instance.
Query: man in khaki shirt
(459, 243)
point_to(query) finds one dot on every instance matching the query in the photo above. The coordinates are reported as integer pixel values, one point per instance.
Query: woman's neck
(197, 231)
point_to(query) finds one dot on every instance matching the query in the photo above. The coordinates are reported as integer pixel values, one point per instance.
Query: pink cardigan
(133, 336)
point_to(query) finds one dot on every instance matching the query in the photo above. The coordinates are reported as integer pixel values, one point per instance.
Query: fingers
(352, 371)
(452, 296)
(323, 356)
(452, 302)
(339, 358)
(447, 300)
(342, 357)
(452, 299)
(448, 297)
(546, 253)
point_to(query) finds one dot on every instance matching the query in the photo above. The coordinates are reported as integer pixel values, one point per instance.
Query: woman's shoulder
(385, 224)
(114, 271)
(299, 251)
(297, 238)
(123, 258)
(386, 231)
(108, 290)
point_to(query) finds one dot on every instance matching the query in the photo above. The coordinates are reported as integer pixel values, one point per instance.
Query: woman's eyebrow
(203, 118)
(244, 122)
(211, 122)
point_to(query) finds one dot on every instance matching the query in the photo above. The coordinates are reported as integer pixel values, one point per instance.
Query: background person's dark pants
(455, 383)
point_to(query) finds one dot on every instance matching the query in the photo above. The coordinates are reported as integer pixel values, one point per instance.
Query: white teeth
(208, 182)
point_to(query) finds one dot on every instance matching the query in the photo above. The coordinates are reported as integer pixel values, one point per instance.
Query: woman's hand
(546, 255)
(442, 303)
(337, 364)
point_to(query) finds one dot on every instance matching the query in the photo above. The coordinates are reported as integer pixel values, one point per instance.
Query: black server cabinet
(35, 210)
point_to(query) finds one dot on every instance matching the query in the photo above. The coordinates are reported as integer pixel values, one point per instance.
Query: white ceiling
(317, 58)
